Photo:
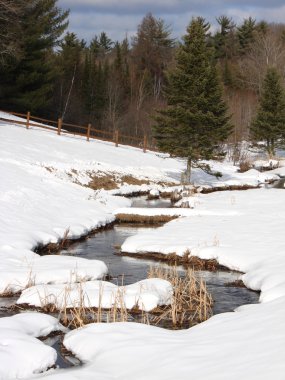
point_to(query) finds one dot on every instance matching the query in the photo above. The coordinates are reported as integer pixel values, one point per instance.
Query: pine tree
(246, 34)
(69, 78)
(151, 52)
(10, 31)
(42, 24)
(195, 120)
(269, 124)
(221, 38)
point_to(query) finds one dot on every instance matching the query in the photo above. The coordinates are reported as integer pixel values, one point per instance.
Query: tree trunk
(187, 175)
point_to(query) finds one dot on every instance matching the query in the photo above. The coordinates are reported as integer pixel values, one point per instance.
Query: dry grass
(190, 304)
(107, 182)
(66, 241)
(145, 219)
(245, 165)
(228, 188)
(130, 180)
(187, 260)
(236, 284)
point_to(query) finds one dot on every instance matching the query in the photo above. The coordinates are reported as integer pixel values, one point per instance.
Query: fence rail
(87, 131)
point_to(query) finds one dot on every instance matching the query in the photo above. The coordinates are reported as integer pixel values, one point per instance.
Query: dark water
(62, 360)
(155, 203)
(104, 246)
(279, 184)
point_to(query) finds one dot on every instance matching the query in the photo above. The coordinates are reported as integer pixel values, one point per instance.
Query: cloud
(87, 25)
(164, 6)
(135, 6)
(118, 17)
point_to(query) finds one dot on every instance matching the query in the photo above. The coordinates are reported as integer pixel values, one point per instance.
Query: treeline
(120, 84)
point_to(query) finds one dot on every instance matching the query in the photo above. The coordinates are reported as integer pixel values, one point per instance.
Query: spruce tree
(195, 120)
(269, 123)
(246, 34)
(32, 76)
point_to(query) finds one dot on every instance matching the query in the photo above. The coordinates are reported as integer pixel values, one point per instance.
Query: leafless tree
(267, 50)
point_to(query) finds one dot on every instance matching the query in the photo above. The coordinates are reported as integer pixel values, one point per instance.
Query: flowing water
(105, 245)
(280, 184)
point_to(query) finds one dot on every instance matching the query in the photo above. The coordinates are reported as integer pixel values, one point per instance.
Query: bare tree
(267, 50)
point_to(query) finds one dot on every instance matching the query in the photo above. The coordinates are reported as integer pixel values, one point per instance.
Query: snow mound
(146, 295)
(23, 269)
(21, 354)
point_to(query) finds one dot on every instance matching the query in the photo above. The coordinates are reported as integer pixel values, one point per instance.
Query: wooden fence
(62, 128)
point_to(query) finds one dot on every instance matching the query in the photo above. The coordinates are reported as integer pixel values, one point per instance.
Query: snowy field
(43, 194)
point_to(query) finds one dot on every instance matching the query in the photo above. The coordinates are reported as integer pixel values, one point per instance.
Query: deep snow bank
(21, 354)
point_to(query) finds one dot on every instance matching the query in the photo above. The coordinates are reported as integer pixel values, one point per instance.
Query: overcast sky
(120, 17)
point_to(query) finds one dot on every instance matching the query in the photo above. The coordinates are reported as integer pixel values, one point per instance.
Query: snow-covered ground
(41, 197)
(146, 295)
(21, 354)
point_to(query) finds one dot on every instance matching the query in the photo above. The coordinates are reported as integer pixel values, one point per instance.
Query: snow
(246, 344)
(146, 295)
(24, 269)
(229, 346)
(43, 193)
(170, 212)
(266, 164)
(154, 193)
(232, 227)
(21, 354)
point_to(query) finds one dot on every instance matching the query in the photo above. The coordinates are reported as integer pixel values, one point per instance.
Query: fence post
(88, 131)
(59, 125)
(28, 119)
(144, 143)
(116, 138)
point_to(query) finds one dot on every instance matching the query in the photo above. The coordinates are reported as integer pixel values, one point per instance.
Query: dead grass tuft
(228, 188)
(107, 182)
(187, 260)
(145, 219)
(245, 165)
(236, 284)
(191, 303)
(130, 180)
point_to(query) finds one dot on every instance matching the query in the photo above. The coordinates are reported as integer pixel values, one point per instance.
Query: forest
(119, 85)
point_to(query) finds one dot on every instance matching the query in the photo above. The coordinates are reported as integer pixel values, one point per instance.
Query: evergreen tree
(32, 77)
(246, 34)
(269, 124)
(101, 45)
(10, 20)
(195, 120)
(221, 38)
(68, 71)
(151, 51)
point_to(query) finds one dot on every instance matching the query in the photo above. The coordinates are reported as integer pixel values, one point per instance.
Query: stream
(105, 245)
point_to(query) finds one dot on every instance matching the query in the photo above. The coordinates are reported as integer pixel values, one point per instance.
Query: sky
(120, 18)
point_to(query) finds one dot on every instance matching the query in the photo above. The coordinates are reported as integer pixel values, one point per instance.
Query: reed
(191, 302)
